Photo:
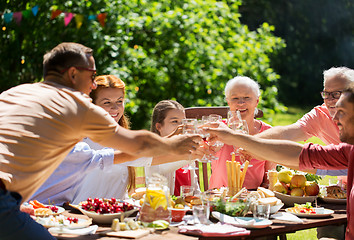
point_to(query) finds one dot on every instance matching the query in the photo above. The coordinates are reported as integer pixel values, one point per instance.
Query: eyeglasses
(335, 95)
(83, 68)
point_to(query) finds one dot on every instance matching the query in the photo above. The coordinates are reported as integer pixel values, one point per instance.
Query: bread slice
(272, 201)
(261, 194)
(139, 193)
(267, 192)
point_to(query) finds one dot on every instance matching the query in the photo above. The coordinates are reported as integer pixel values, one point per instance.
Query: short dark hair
(65, 55)
(350, 89)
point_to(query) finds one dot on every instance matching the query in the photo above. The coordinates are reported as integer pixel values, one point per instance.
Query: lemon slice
(156, 198)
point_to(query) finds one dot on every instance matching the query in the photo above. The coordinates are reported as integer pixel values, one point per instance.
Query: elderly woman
(242, 94)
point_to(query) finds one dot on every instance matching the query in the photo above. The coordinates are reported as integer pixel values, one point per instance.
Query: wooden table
(277, 228)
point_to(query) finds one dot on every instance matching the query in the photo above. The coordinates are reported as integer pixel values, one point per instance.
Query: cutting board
(132, 234)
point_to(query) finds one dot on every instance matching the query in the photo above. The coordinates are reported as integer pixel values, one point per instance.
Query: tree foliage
(319, 34)
(184, 50)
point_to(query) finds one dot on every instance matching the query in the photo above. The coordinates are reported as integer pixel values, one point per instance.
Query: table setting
(287, 205)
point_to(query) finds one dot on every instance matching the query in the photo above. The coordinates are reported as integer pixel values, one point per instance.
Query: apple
(312, 188)
(298, 181)
(280, 187)
(297, 192)
(285, 176)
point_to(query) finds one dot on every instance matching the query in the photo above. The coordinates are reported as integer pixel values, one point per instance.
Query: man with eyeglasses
(308, 156)
(319, 123)
(41, 123)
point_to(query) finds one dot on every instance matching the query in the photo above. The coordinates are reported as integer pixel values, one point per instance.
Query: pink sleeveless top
(254, 175)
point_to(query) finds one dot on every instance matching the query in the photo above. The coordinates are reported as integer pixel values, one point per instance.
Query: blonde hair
(111, 81)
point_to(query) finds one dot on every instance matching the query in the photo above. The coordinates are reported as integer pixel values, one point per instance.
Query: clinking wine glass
(213, 120)
(235, 122)
(189, 127)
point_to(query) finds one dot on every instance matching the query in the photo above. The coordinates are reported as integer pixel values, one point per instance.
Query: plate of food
(246, 222)
(64, 221)
(42, 210)
(103, 210)
(306, 210)
(333, 194)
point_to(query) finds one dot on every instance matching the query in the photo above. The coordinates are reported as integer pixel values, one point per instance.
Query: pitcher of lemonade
(156, 203)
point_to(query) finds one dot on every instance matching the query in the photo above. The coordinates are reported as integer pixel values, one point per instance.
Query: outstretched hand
(182, 144)
(221, 133)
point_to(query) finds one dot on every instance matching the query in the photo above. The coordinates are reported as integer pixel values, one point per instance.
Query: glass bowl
(238, 207)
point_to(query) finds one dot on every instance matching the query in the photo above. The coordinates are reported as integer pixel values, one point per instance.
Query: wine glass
(189, 127)
(235, 122)
(212, 120)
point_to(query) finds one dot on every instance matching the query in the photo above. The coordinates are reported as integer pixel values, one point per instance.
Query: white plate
(60, 211)
(82, 231)
(334, 200)
(246, 222)
(53, 221)
(326, 213)
(290, 200)
(108, 217)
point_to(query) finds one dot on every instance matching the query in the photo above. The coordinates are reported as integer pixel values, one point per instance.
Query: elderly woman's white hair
(342, 72)
(242, 80)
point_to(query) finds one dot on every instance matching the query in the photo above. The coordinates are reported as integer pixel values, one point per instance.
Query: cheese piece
(115, 225)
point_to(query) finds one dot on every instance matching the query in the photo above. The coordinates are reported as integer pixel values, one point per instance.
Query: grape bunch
(104, 205)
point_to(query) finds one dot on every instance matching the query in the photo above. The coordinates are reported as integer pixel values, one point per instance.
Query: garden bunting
(68, 16)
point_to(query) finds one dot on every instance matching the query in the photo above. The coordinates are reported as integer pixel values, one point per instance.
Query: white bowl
(276, 208)
(290, 200)
(108, 217)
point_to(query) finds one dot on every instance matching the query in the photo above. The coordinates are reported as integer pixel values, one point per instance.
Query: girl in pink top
(242, 94)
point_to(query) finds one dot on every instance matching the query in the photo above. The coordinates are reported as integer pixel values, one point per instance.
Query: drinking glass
(261, 211)
(201, 214)
(213, 120)
(235, 122)
(189, 127)
(186, 191)
(207, 157)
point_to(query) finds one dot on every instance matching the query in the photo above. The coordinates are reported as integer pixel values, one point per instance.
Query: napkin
(213, 230)
(284, 216)
(78, 231)
(233, 220)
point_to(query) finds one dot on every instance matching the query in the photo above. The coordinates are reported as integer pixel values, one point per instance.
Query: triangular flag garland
(67, 18)
(79, 18)
(102, 18)
(18, 17)
(55, 13)
(35, 10)
(26, 13)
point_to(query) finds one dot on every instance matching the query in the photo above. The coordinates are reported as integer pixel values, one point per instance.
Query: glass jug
(156, 204)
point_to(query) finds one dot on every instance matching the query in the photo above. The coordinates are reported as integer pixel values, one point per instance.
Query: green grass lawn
(282, 119)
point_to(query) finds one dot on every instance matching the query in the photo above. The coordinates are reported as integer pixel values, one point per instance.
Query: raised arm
(144, 143)
(279, 151)
(291, 132)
